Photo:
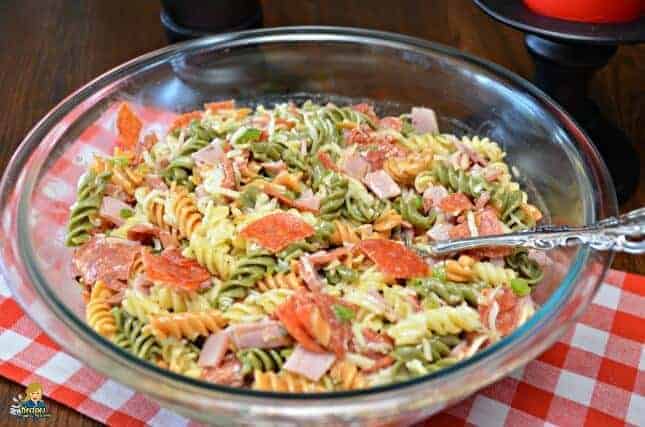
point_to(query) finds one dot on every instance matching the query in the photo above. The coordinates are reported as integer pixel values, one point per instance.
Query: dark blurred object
(189, 19)
(566, 56)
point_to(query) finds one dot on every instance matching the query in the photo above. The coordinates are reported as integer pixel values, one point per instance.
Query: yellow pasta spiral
(284, 382)
(186, 325)
(216, 258)
(98, 311)
(405, 170)
(281, 281)
(185, 210)
(346, 233)
(347, 375)
(387, 221)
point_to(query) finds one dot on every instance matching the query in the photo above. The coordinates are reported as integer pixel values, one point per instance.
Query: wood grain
(49, 48)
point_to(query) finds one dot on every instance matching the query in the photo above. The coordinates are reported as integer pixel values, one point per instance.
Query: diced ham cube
(259, 335)
(214, 350)
(355, 165)
(432, 196)
(308, 363)
(211, 155)
(111, 209)
(382, 184)
(424, 120)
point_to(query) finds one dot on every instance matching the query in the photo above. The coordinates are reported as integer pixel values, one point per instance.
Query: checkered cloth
(595, 375)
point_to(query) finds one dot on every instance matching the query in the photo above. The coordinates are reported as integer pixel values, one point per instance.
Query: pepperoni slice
(277, 231)
(128, 126)
(105, 259)
(273, 191)
(185, 119)
(174, 270)
(394, 259)
(327, 161)
(214, 107)
(286, 313)
(455, 203)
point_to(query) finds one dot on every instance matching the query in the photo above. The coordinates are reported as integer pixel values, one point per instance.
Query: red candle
(596, 11)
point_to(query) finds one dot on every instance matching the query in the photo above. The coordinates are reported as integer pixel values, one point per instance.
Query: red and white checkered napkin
(595, 375)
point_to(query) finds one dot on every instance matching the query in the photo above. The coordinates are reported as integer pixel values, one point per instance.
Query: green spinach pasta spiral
(84, 212)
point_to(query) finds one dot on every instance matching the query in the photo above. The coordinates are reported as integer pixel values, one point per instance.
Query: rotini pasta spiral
(180, 357)
(285, 382)
(289, 280)
(84, 212)
(405, 170)
(178, 301)
(347, 376)
(98, 310)
(257, 359)
(492, 274)
(185, 211)
(186, 325)
(459, 180)
(247, 272)
(132, 336)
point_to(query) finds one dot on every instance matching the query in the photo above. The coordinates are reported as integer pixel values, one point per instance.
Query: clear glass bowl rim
(112, 77)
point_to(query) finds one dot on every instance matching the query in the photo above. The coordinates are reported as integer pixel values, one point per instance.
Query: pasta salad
(285, 248)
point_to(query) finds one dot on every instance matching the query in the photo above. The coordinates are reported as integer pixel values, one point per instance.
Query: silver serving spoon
(625, 233)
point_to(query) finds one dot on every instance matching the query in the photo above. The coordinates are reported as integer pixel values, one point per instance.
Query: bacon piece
(382, 149)
(424, 120)
(214, 107)
(274, 167)
(273, 191)
(214, 349)
(155, 182)
(307, 201)
(432, 196)
(106, 259)
(488, 224)
(128, 126)
(259, 335)
(472, 154)
(366, 109)
(482, 200)
(327, 162)
(391, 123)
(229, 373)
(380, 363)
(394, 259)
(175, 270)
(321, 258)
(211, 155)
(309, 274)
(277, 231)
(455, 203)
(355, 165)
(358, 136)
(143, 233)
(312, 365)
(509, 311)
(111, 208)
(185, 119)
(382, 184)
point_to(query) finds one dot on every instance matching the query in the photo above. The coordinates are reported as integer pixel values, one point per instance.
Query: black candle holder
(189, 19)
(566, 56)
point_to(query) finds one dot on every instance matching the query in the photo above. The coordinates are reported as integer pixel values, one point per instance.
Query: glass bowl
(559, 167)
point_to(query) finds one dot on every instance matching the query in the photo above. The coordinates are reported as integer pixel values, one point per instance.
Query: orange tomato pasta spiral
(186, 212)
(186, 325)
(98, 311)
(284, 381)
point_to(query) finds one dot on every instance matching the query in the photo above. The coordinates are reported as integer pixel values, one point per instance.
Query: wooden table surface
(49, 48)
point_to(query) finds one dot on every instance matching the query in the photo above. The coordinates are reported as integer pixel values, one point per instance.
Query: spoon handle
(624, 233)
